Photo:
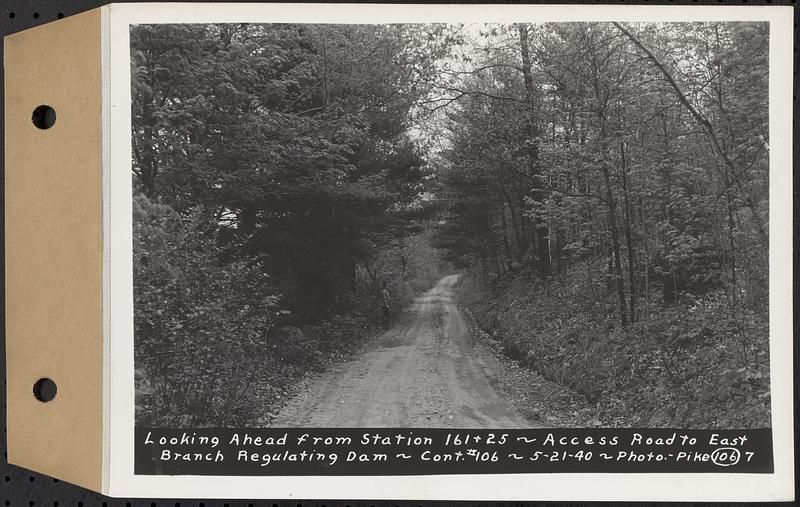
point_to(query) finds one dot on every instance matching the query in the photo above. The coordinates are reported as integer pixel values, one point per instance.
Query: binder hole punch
(44, 117)
(44, 390)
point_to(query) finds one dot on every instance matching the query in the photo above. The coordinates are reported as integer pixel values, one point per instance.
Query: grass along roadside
(542, 402)
(689, 365)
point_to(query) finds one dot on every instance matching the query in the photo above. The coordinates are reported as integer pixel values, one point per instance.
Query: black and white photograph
(430, 225)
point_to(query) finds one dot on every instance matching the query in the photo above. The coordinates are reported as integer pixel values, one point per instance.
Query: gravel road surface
(424, 372)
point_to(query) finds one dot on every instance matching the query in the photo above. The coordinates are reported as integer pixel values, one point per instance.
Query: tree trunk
(732, 244)
(612, 223)
(542, 236)
(646, 259)
(506, 242)
(516, 224)
(628, 240)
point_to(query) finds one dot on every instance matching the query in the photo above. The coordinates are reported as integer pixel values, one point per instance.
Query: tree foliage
(642, 152)
(648, 152)
(273, 174)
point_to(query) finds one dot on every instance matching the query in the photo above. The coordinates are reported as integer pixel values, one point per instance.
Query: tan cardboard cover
(53, 248)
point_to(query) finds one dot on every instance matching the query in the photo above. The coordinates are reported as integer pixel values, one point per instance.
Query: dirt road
(424, 372)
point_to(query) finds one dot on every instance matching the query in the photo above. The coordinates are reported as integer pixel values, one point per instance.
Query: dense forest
(276, 186)
(608, 184)
(602, 187)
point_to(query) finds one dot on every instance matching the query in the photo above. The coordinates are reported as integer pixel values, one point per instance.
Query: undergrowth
(699, 363)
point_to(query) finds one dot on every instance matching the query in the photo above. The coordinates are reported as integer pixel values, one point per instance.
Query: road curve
(424, 372)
